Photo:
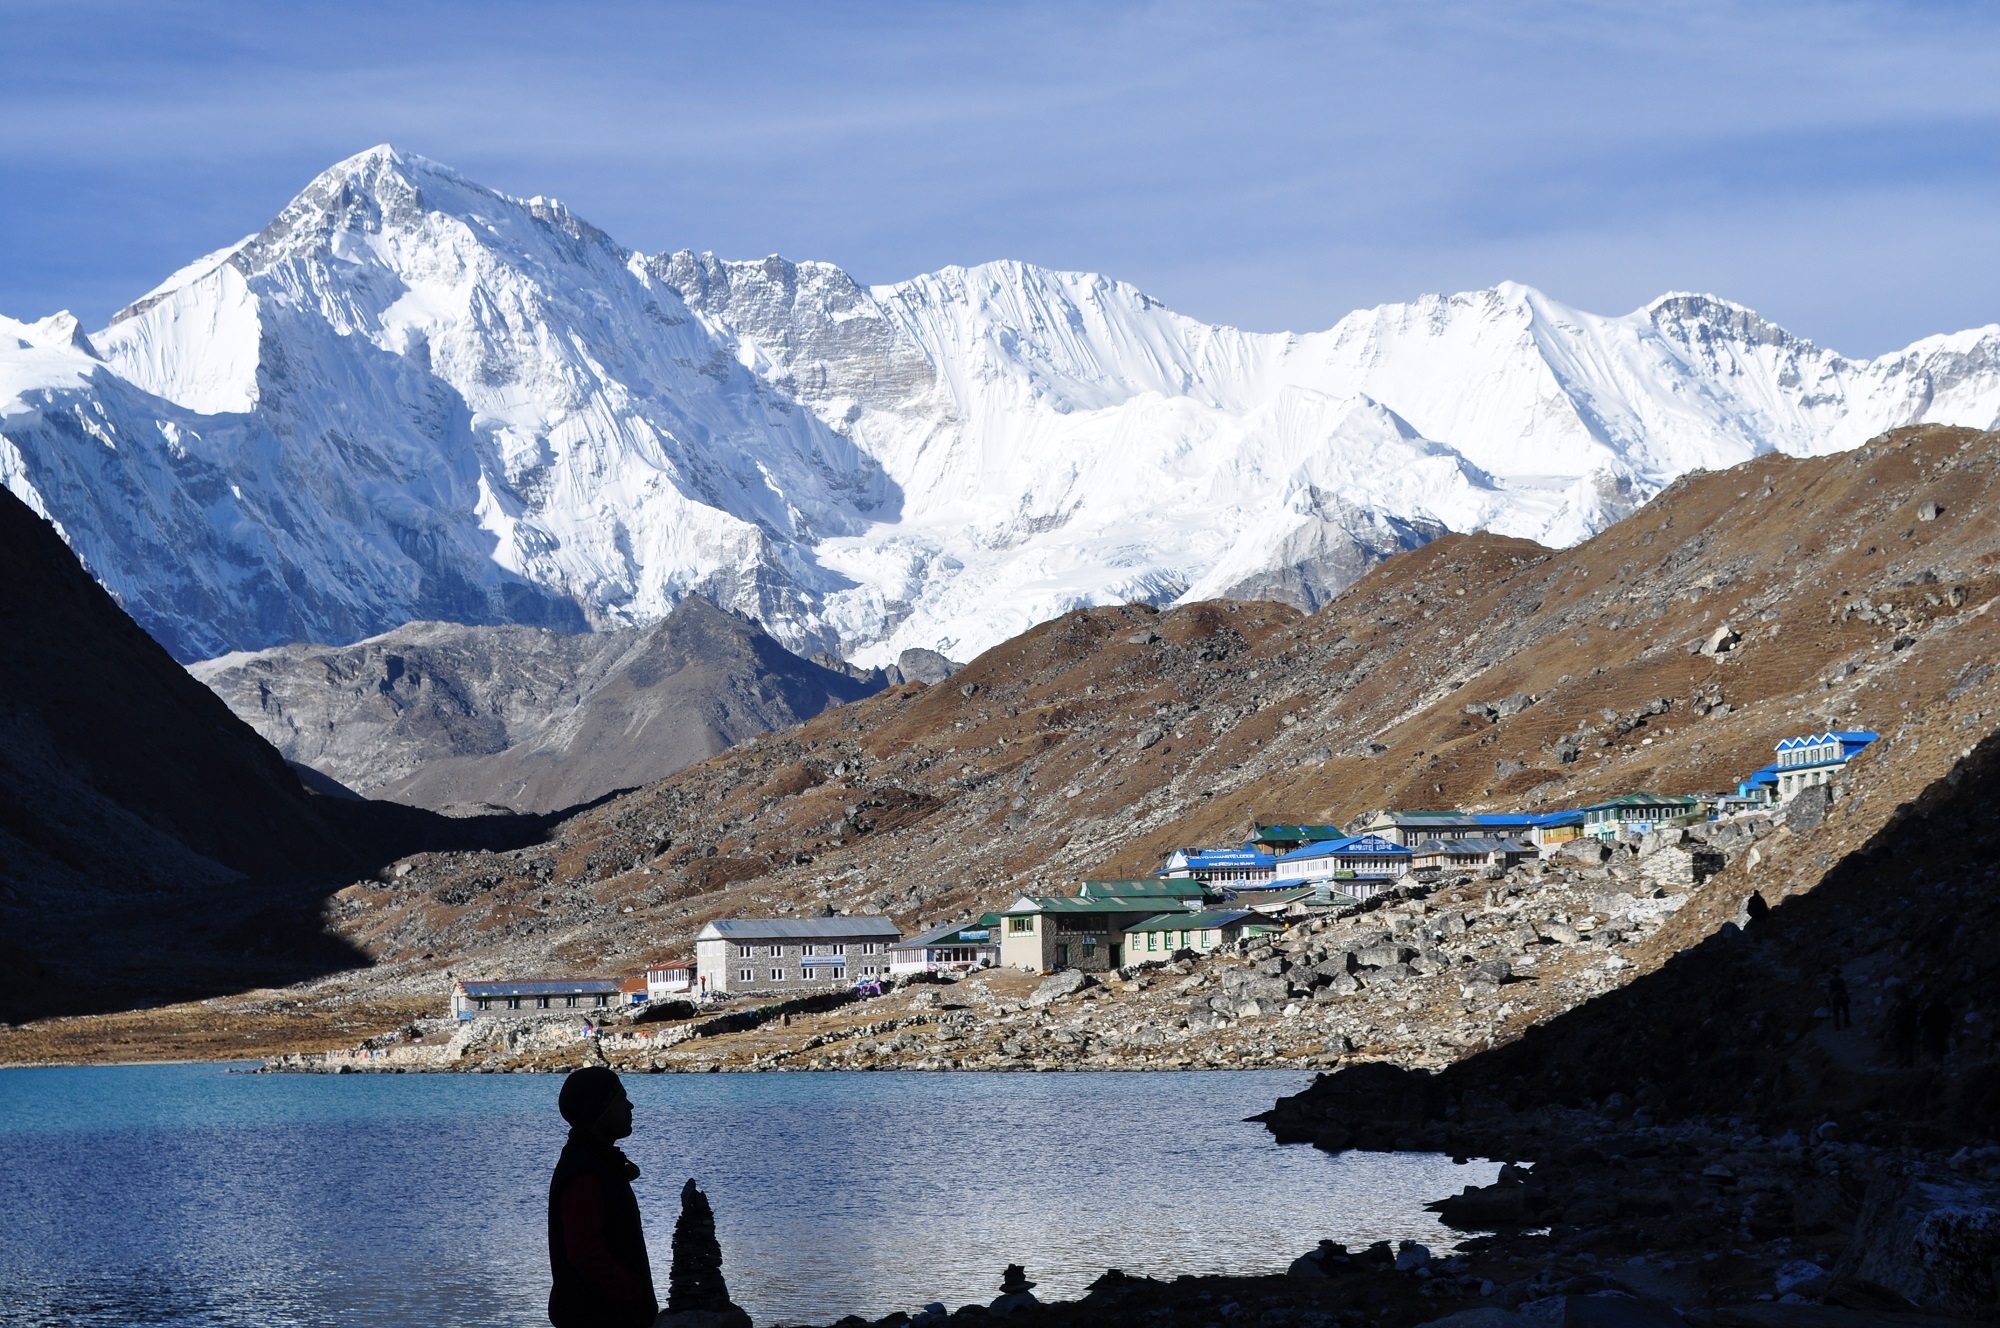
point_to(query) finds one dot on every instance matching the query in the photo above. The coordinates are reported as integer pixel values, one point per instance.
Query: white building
(669, 980)
(791, 955)
(957, 947)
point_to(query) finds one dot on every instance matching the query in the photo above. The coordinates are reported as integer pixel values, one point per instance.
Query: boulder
(925, 666)
(1808, 808)
(1057, 985)
(1587, 849)
(1933, 1240)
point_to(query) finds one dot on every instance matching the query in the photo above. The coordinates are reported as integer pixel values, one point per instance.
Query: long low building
(791, 955)
(535, 998)
(1168, 934)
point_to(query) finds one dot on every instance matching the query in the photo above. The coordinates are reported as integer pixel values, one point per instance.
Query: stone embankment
(1420, 975)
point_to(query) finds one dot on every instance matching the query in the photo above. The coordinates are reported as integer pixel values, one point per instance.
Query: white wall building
(791, 955)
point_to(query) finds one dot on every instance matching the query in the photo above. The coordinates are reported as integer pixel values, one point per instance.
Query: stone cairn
(696, 1293)
(1016, 1292)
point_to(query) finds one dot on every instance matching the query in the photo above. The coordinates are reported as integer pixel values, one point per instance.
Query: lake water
(186, 1195)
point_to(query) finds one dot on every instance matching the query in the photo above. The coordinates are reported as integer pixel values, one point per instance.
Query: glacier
(411, 397)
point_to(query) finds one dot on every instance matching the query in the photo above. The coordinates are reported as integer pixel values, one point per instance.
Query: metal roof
(1108, 904)
(1129, 889)
(1193, 921)
(1504, 818)
(1641, 800)
(544, 987)
(1360, 846)
(1547, 820)
(1425, 818)
(799, 929)
(948, 934)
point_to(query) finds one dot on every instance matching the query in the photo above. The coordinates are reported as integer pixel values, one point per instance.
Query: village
(1239, 955)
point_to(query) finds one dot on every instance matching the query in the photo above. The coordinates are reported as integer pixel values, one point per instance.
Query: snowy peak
(411, 396)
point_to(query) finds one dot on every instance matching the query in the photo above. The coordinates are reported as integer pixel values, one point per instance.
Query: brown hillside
(1096, 743)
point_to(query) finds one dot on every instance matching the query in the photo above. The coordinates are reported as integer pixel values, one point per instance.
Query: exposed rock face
(443, 715)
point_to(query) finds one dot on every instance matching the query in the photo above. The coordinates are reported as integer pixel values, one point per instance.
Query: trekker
(1838, 1001)
(597, 1246)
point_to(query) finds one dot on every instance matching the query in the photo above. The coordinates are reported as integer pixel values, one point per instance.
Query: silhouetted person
(1756, 911)
(597, 1247)
(1934, 1027)
(1903, 1027)
(1838, 1001)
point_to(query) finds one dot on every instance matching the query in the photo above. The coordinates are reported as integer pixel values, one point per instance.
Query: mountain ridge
(410, 397)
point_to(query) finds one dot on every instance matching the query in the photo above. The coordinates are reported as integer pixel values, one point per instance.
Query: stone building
(538, 998)
(1043, 934)
(791, 955)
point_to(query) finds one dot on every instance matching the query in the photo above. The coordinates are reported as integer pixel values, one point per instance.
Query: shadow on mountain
(1737, 1026)
(153, 847)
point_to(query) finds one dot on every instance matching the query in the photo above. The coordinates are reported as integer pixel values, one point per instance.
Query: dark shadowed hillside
(145, 831)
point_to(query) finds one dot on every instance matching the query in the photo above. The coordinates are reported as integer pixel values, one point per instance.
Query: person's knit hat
(586, 1093)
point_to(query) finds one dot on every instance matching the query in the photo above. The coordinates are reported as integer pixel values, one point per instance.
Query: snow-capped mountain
(412, 397)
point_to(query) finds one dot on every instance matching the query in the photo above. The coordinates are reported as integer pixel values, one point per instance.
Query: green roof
(1193, 921)
(1146, 886)
(989, 920)
(1108, 904)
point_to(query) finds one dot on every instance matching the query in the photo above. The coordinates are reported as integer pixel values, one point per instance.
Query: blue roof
(1544, 820)
(1504, 818)
(1356, 846)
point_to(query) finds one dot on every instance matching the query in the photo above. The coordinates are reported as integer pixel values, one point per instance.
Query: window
(1019, 925)
(743, 951)
(777, 951)
(1152, 940)
(570, 1001)
(777, 975)
(603, 1001)
(808, 949)
(485, 1004)
(746, 974)
(513, 1002)
(836, 949)
(541, 1002)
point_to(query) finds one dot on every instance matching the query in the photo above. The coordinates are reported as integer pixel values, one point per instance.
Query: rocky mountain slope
(443, 715)
(412, 398)
(1096, 743)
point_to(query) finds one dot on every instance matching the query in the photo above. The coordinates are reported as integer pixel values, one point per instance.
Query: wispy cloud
(1267, 165)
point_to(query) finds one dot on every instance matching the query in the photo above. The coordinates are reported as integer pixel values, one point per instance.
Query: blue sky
(1835, 166)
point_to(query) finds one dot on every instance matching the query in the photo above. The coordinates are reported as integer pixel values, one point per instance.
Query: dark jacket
(597, 1248)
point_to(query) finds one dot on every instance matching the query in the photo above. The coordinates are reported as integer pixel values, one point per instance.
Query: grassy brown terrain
(1096, 743)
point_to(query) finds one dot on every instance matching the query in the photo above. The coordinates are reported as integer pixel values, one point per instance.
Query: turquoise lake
(189, 1195)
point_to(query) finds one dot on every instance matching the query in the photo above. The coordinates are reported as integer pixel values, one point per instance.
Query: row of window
(778, 974)
(829, 948)
(1189, 940)
(1808, 755)
(542, 1002)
